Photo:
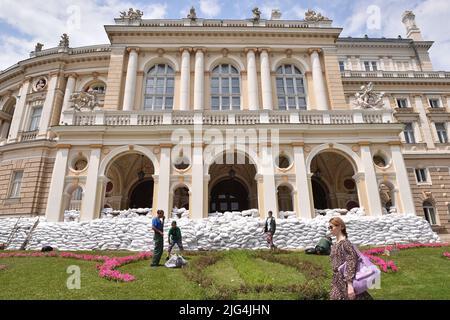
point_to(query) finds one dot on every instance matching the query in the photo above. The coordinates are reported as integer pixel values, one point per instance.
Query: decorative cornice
(312, 50)
(137, 49)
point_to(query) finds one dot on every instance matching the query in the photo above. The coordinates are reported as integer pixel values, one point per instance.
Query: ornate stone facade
(146, 121)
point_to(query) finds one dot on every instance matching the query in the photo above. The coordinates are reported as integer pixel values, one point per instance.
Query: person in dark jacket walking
(175, 238)
(269, 229)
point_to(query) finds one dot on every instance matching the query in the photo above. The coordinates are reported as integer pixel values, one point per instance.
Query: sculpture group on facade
(313, 16)
(131, 15)
(84, 101)
(38, 47)
(368, 99)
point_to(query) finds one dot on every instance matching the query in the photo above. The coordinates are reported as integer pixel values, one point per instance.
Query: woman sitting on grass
(343, 252)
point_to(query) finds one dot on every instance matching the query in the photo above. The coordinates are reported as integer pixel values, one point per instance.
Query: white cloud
(46, 21)
(210, 8)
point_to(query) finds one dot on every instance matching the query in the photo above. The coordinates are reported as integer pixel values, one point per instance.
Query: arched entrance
(130, 182)
(285, 198)
(181, 198)
(141, 196)
(332, 181)
(320, 194)
(232, 185)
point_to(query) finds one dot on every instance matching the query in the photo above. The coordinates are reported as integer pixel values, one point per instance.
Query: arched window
(159, 88)
(290, 88)
(99, 87)
(225, 88)
(429, 212)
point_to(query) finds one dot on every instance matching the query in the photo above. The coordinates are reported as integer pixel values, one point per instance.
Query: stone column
(302, 184)
(17, 119)
(164, 179)
(318, 80)
(199, 81)
(185, 79)
(48, 106)
(130, 82)
(404, 188)
(70, 89)
(55, 210)
(266, 83)
(198, 182)
(370, 179)
(268, 174)
(88, 207)
(252, 80)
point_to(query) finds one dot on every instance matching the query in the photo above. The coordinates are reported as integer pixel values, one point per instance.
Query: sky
(24, 23)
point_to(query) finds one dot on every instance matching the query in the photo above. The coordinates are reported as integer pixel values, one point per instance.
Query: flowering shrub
(447, 254)
(390, 265)
(106, 270)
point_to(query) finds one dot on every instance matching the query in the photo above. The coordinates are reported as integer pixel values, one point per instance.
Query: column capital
(268, 50)
(247, 50)
(71, 75)
(137, 49)
(199, 49)
(183, 49)
(166, 145)
(298, 144)
(312, 50)
(63, 146)
(54, 73)
(364, 144)
(140, 73)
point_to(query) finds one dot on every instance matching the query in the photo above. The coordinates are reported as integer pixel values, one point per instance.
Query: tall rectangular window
(409, 133)
(421, 175)
(16, 184)
(442, 132)
(402, 103)
(434, 103)
(342, 66)
(370, 66)
(35, 118)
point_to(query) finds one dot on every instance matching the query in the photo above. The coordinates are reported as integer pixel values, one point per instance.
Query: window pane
(236, 103)
(280, 83)
(161, 69)
(234, 70)
(169, 103)
(153, 70)
(291, 103)
(225, 103)
(282, 104)
(158, 103)
(288, 69)
(302, 103)
(215, 103)
(148, 103)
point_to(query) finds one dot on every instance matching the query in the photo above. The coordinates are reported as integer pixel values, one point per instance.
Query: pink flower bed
(447, 254)
(387, 266)
(107, 270)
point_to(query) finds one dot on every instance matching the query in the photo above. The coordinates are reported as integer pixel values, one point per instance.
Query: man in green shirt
(175, 238)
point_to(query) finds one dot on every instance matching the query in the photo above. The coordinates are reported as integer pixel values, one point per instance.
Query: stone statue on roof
(131, 14)
(368, 99)
(64, 42)
(256, 14)
(313, 16)
(192, 14)
(38, 47)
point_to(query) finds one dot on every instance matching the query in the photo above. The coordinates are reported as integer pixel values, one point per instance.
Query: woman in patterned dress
(342, 251)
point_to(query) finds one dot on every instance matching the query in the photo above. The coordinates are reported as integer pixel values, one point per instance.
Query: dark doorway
(142, 195)
(229, 195)
(320, 195)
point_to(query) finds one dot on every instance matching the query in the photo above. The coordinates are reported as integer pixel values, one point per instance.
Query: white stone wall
(228, 231)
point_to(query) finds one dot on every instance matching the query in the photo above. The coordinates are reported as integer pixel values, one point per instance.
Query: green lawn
(423, 274)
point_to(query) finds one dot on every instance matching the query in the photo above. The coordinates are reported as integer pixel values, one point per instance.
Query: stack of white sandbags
(231, 230)
(72, 216)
